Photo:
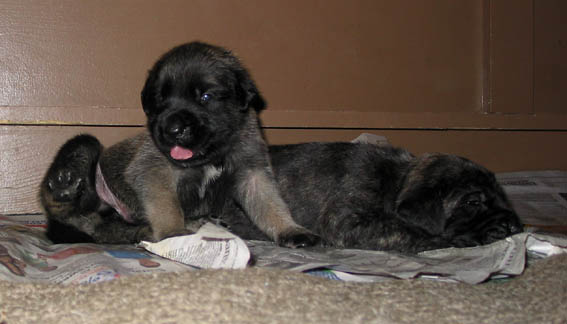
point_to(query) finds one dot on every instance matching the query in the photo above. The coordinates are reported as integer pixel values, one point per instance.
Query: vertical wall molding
(509, 28)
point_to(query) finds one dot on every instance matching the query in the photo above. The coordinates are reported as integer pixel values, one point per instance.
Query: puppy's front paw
(64, 185)
(501, 228)
(298, 239)
(497, 227)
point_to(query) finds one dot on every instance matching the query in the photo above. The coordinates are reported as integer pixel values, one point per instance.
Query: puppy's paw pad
(64, 185)
(299, 240)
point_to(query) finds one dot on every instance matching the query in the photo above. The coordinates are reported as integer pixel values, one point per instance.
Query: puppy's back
(335, 158)
(317, 177)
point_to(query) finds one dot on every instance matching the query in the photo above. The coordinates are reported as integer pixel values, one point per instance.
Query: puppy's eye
(473, 202)
(206, 97)
(473, 199)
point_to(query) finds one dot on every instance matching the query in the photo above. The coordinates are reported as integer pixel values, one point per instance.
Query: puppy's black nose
(179, 128)
(174, 128)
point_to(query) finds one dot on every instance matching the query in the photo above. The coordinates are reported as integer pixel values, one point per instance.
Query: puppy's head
(196, 97)
(457, 199)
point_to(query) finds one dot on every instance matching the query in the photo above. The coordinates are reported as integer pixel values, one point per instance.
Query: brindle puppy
(383, 198)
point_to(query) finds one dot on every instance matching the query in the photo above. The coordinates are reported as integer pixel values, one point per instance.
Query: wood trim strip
(134, 117)
(422, 120)
(486, 101)
(84, 116)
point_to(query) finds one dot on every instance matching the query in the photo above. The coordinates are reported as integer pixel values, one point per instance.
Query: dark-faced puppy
(457, 200)
(204, 150)
(383, 198)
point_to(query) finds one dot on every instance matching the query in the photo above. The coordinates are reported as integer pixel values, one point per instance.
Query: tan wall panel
(27, 151)
(498, 150)
(363, 55)
(511, 56)
(550, 88)
(420, 70)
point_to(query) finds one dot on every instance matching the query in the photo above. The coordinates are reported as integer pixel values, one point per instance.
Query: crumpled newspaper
(27, 256)
(215, 247)
(212, 247)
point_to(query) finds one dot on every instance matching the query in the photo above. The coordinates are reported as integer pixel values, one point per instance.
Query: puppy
(383, 198)
(203, 150)
(352, 195)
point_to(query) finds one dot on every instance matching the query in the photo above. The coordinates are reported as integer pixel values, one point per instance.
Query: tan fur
(161, 205)
(154, 182)
(264, 205)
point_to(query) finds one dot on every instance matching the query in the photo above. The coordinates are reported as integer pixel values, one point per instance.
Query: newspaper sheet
(211, 247)
(471, 265)
(539, 198)
(25, 255)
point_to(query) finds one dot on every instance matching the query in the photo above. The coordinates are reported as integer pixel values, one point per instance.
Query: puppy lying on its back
(204, 159)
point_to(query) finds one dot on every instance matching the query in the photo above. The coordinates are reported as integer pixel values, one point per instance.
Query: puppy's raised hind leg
(67, 192)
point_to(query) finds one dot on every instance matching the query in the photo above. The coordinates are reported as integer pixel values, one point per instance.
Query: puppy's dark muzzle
(502, 223)
(177, 130)
(485, 227)
(180, 129)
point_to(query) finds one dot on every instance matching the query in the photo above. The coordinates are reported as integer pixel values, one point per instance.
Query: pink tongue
(180, 153)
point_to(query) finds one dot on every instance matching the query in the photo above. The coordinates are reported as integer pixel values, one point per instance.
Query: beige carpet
(274, 296)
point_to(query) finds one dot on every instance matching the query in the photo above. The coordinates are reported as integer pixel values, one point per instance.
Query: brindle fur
(383, 198)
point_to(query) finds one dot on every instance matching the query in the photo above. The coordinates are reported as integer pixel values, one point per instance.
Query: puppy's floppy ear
(421, 200)
(248, 92)
(422, 207)
(148, 94)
